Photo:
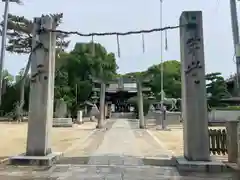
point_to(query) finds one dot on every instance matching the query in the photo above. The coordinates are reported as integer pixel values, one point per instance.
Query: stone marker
(194, 99)
(62, 117)
(61, 109)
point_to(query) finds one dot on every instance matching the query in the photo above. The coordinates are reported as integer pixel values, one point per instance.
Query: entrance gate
(194, 107)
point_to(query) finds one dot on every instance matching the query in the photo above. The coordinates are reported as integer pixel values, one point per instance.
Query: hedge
(233, 108)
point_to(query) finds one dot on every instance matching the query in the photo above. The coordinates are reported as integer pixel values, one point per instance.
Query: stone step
(124, 172)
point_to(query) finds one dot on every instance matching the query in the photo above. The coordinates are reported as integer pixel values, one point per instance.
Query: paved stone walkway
(117, 157)
(119, 147)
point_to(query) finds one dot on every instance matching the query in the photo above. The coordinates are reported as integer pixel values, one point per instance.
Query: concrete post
(232, 144)
(41, 94)
(194, 99)
(102, 105)
(140, 105)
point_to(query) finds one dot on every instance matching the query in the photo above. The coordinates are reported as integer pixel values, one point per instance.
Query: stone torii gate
(194, 103)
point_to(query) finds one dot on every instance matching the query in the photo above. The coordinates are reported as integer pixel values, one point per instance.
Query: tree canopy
(216, 89)
(19, 33)
(215, 83)
(77, 69)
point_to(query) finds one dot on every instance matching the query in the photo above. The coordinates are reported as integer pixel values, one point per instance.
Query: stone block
(162, 161)
(62, 122)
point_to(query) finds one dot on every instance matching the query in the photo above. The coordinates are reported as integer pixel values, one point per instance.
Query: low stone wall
(62, 122)
(6, 119)
(172, 118)
(223, 115)
(129, 115)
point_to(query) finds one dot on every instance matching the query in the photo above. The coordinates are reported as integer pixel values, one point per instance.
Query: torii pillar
(194, 98)
(38, 149)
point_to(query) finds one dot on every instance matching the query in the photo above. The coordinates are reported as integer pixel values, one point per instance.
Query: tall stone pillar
(52, 72)
(238, 142)
(41, 93)
(140, 105)
(102, 105)
(194, 99)
(102, 101)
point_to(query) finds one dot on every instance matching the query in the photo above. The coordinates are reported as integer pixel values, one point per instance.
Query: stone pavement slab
(117, 172)
(118, 146)
(81, 151)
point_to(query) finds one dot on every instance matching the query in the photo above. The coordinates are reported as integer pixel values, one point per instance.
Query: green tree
(12, 95)
(146, 103)
(216, 88)
(19, 34)
(8, 77)
(76, 70)
(172, 79)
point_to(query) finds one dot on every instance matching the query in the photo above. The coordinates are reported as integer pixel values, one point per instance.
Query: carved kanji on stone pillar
(194, 99)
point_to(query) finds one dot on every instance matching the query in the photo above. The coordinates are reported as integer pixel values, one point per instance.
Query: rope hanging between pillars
(118, 47)
(143, 43)
(61, 49)
(93, 46)
(61, 43)
(166, 41)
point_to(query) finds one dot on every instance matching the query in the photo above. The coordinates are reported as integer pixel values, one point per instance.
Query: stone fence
(129, 115)
(225, 141)
(215, 117)
(172, 118)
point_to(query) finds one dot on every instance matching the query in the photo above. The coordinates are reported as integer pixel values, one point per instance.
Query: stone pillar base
(24, 160)
(160, 128)
(142, 127)
(201, 166)
(99, 126)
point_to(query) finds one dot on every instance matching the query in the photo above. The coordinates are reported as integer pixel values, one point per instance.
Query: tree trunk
(22, 90)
